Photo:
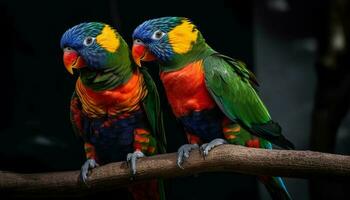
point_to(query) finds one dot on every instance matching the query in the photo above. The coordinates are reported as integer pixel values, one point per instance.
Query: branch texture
(229, 158)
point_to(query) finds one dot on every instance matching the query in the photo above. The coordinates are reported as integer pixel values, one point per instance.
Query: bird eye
(157, 35)
(88, 41)
(138, 41)
(67, 49)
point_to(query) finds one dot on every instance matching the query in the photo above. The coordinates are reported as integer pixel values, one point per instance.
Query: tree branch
(229, 158)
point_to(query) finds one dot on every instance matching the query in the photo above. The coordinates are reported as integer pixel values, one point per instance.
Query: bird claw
(202, 149)
(86, 167)
(132, 158)
(205, 148)
(184, 152)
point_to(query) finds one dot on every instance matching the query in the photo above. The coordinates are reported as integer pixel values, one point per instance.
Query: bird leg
(132, 158)
(205, 148)
(90, 163)
(184, 152)
(144, 143)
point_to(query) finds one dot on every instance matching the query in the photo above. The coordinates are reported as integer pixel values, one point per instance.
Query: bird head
(164, 39)
(91, 45)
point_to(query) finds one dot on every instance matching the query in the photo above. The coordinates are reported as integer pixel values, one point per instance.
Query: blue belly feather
(206, 124)
(114, 142)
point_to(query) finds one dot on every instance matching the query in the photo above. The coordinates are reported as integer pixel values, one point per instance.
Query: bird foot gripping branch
(206, 147)
(184, 152)
(131, 160)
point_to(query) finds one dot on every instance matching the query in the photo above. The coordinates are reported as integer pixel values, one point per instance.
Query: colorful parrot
(115, 106)
(212, 95)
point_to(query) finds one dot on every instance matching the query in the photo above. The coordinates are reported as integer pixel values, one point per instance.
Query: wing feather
(234, 88)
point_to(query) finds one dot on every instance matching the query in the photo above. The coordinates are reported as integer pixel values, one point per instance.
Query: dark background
(304, 78)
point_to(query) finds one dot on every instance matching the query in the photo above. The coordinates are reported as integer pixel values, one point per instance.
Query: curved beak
(71, 59)
(141, 53)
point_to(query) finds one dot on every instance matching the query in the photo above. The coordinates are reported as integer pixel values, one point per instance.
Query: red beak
(141, 53)
(71, 59)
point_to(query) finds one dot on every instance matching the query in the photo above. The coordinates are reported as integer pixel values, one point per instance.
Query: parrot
(115, 107)
(213, 96)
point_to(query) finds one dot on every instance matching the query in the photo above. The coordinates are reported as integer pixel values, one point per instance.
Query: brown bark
(230, 158)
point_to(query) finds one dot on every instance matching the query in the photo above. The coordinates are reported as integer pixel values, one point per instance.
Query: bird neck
(118, 72)
(200, 50)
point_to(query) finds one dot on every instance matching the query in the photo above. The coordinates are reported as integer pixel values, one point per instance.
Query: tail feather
(275, 187)
(272, 132)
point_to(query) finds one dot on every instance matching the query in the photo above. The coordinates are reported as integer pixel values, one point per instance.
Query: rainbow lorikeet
(115, 106)
(212, 95)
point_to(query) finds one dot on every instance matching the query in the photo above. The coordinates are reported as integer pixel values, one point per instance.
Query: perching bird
(115, 107)
(212, 95)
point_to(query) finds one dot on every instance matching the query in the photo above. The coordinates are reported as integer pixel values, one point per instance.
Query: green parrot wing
(151, 105)
(234, 89)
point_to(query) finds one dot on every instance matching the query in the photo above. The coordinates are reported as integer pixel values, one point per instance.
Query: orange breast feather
(122, 99)
(186, 89)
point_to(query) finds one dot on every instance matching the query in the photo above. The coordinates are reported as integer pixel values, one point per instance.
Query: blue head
(163, 38)
(91, 45)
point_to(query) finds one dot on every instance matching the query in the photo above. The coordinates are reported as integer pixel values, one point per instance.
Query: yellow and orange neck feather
(123, 99)
(183, 36)
(108, 39)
